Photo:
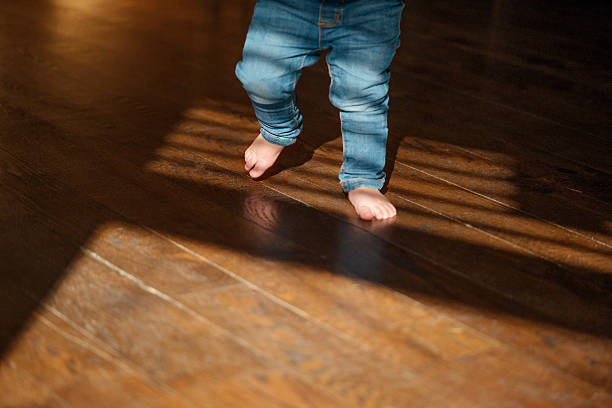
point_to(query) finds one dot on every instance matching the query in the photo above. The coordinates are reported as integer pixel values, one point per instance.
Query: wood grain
(142, 267)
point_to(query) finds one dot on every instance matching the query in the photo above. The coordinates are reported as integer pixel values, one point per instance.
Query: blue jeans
(362, 35)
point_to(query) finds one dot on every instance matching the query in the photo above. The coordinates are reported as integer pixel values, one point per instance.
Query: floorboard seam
(572, 231)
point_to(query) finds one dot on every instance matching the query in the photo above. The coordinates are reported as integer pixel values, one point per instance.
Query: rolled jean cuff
(362, 182)
(281, 141)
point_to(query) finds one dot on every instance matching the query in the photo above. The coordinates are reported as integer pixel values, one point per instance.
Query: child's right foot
(260, 156)
(369, 203)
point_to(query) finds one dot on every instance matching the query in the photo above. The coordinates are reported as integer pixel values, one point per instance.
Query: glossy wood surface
(142, 267)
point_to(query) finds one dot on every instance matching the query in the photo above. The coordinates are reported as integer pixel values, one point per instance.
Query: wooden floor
(141, 267)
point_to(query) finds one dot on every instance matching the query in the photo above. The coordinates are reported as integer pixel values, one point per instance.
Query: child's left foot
(371, 203)
(260, 156)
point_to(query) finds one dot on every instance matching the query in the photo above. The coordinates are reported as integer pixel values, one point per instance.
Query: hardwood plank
(319, 174)
(20, 388)
(299, 188)
(565, 246)
(581, 107)
(509, 385)
(480, 78)
(395, 394)
(227, 64)
(527, 341)
(348, 369)
(108, 311)
(50, 366)
(192, 230)
(472, 145)
(556, 45)
(528, 201)
(560, 213)
(116, 115)
(103, 181)
(140, 329)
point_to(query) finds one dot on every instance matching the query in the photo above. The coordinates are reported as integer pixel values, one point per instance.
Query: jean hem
(281, 141)
(361, 182)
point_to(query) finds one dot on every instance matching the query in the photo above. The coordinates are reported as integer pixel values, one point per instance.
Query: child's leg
(358, 65)
(283, 38)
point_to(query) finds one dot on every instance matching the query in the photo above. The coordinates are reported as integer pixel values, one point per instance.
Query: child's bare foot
(260, 156)
(371, 203)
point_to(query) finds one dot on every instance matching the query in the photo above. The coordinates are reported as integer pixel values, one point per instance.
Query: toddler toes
(365, 213)
(258, 169)
(378, 212)
(260, 156)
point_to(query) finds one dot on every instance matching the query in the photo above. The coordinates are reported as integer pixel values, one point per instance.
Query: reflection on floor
(142, 267)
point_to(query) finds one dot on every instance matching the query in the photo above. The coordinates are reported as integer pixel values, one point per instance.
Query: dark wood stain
(142, 267)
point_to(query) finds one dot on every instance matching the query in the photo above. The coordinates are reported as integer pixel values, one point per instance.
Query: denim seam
(329, 96)
(293, 90)
(343, 139)
(319, 25)
(331, 82)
